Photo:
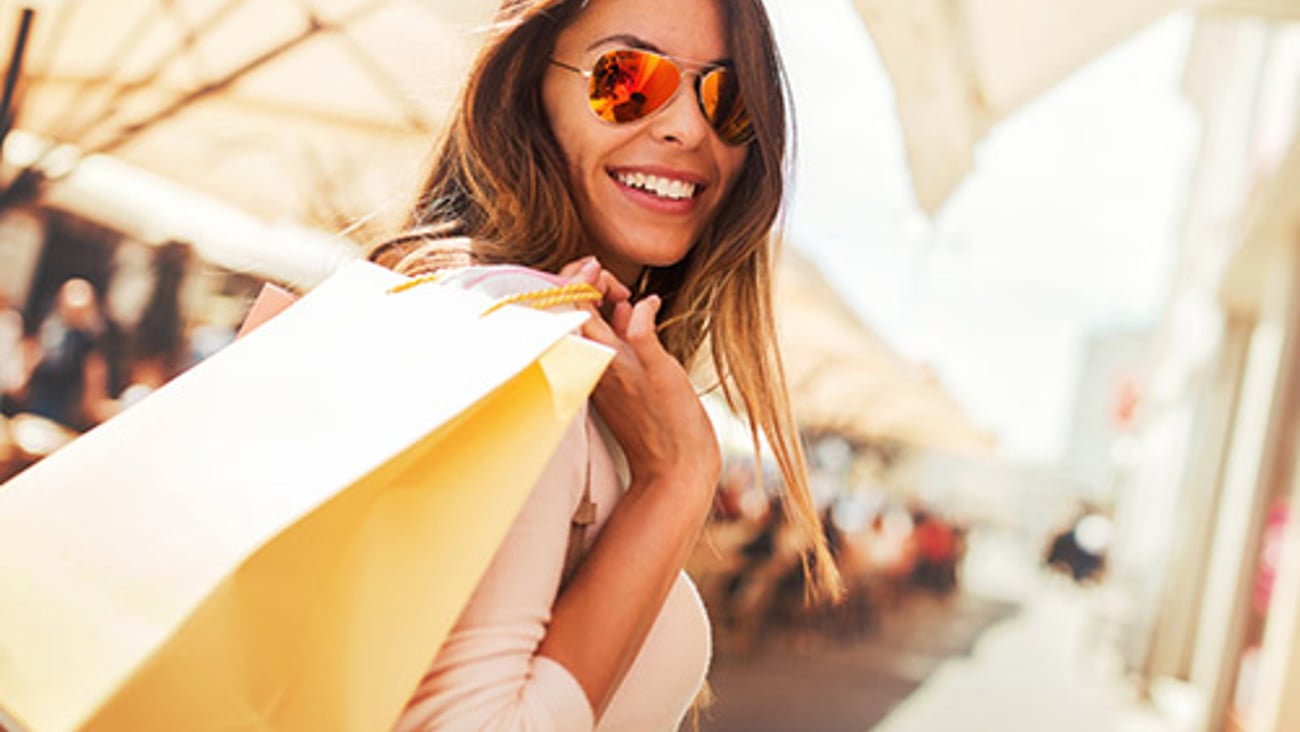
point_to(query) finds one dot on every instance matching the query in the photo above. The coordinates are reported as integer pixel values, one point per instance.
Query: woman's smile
(660, 190)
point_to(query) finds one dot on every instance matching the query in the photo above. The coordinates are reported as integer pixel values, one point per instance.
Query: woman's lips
(661, 191)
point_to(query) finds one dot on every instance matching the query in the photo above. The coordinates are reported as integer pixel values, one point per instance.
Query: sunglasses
(626, 85)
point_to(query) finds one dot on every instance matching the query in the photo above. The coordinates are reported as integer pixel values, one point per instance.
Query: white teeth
(663, 187)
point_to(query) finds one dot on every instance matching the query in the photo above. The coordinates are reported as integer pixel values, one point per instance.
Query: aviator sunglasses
(626, 85)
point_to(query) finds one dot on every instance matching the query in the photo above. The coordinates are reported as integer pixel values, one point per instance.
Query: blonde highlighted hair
(499, 180)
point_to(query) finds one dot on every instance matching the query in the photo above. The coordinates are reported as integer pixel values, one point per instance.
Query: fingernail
(590, 266)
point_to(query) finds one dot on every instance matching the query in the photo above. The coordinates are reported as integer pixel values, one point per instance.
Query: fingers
(621, 317)
(595, 328)
(613, 290)
(640, 332)
(580, 270)
(631, 330)
(624, 324)
(590, 271)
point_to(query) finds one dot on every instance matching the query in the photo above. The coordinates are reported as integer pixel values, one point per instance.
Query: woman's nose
(682, 121)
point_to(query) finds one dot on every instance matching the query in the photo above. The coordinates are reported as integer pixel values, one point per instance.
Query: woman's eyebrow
(628, 40)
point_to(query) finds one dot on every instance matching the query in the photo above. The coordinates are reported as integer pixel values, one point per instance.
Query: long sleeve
(488, 676)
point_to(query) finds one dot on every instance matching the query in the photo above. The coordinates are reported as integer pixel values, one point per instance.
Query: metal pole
(13, 74)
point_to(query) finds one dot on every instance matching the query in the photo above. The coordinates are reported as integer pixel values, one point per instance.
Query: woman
(607, 140)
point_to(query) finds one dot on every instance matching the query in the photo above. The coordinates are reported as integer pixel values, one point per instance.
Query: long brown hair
(500, 180)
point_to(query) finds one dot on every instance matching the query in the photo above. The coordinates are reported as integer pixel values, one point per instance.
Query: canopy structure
(320, 112)
(844, 379)
(323, 111)
(961, 66)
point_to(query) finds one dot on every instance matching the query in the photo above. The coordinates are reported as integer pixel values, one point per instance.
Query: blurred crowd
(92, 354)
(96, 345)
(750, 576)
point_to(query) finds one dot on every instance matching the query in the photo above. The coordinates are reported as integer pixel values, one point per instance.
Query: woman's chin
(649, 250)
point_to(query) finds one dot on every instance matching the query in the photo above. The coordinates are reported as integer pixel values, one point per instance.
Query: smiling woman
(637, 146)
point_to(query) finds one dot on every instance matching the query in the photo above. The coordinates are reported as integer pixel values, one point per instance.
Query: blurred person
(12, 378)
(1271, 548)
(69, 382)
(216, 326)
(732, 487)
(936, 553)
(1080, 549)
(740, 497)
(13, 359)
(158, 342)
(637, 146)
(770, 574)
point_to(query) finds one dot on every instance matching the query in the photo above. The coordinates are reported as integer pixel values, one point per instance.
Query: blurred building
(1108, 395)
(1215, 449)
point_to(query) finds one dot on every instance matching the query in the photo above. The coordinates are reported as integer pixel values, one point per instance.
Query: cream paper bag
(281, 538)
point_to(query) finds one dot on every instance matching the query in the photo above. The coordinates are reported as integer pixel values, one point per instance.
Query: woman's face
(629, 226)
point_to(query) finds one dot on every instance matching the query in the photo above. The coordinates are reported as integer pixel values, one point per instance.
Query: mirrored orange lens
(724, 107)
(627, 85)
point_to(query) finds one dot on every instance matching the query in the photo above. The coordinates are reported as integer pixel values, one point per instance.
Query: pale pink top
(488, 675)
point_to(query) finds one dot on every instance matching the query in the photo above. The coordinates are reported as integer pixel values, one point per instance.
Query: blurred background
(1039, 300)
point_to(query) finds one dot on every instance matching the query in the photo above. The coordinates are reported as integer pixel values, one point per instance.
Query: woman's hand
(603, 615)
(646, 397)
(589, 270)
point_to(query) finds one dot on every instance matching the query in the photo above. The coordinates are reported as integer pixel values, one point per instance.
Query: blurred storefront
(1206, 556)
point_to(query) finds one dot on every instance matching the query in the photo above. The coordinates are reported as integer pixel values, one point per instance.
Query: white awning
(844, 379)
(961, 66)
(322, 113)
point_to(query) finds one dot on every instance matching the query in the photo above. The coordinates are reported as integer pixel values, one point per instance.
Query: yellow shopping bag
(281, 538)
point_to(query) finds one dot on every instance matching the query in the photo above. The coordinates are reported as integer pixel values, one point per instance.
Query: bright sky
(1067, 225)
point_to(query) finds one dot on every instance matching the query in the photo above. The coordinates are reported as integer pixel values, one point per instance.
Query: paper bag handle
(547, 297)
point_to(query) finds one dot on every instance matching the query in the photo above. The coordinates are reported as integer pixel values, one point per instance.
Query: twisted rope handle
(414, 282)
(548, 297)
(574, 292)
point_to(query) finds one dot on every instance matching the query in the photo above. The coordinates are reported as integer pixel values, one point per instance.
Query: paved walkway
(1049, 667)
(821, 684)
(1035, 671)
(1017, 650)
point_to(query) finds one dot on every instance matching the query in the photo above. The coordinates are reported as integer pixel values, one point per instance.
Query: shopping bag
(281, 538)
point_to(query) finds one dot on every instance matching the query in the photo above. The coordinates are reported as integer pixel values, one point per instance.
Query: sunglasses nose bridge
(684, 117)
